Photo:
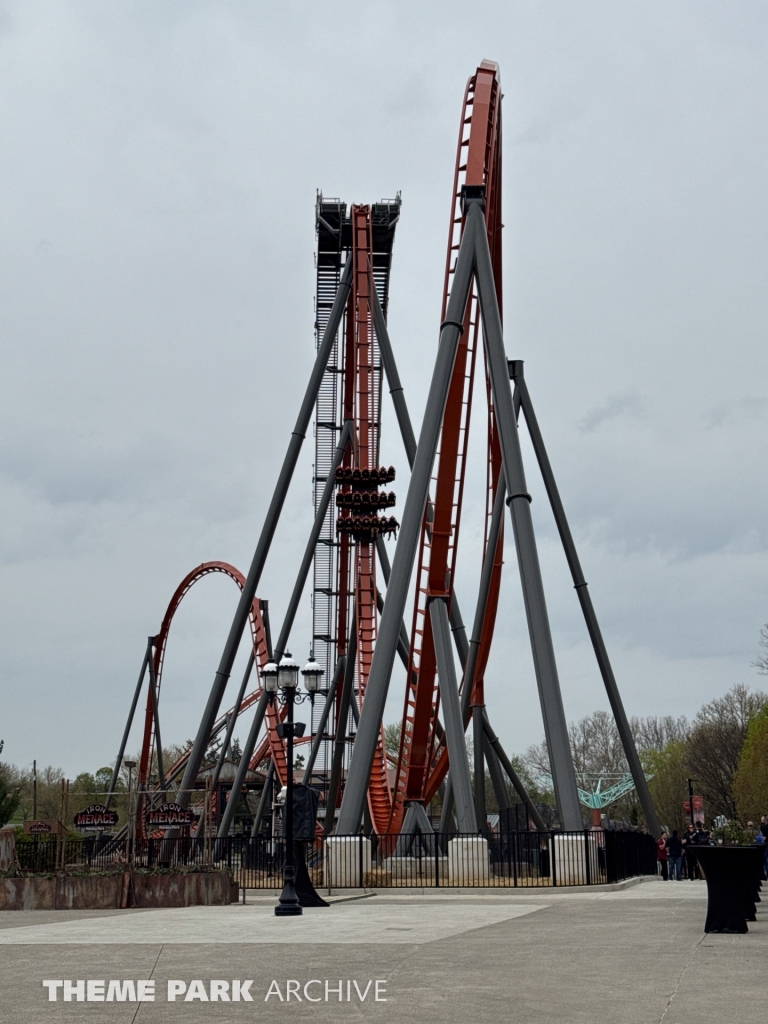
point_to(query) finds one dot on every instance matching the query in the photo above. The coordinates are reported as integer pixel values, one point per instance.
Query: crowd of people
(675, 853)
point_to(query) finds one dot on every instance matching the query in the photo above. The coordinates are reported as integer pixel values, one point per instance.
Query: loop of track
(272, 744)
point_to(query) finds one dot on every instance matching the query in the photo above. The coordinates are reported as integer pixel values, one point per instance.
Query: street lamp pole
(285, 679)
(288, 904)
(690, 801)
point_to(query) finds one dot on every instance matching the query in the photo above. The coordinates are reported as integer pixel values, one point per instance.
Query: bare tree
(762, 662)
(596, 745)
(708, 749)
(536, 761)
(655, 733)
(714, 746)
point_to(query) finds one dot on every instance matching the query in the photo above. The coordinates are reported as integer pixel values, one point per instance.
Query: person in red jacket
(662, 855)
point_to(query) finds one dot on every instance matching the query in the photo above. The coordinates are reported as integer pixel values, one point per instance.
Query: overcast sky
(159, 169)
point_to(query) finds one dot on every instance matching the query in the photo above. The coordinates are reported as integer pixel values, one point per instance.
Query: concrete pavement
(635, 956)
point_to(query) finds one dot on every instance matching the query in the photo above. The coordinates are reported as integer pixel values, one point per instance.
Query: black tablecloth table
(733, 875)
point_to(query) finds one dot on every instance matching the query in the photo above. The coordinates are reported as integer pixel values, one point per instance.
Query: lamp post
(287, 680)
(690, 801)
(281, 683)
(312, 674)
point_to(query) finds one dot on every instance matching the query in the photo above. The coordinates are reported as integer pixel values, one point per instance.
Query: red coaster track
(272, 744)
(344, 392)
(422, 760)
(366, 414)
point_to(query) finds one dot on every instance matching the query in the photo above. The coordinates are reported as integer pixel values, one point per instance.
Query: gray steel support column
(497, 781)
(265, 540)
(514, 778)
(355, 712)
(405, 553)
(454, 723)
(479, 766)
(416, 824)
(368, 829)
(340, 742)
(407, 831)
(383, 554)
(553, 713)
(580, 585)
(129, 723)
(264, 606)
(403, 647)
(156, 715)
(446, 811)
(423, 824)
(474, 650)
(409, 443)
(393, 379)
(459, 631)
(329, 698)
(214, 733)
(482, 598)
(242, 768)
(232, 720)
(496, 774)
(266, 796)
(404, 643)
(345, 438)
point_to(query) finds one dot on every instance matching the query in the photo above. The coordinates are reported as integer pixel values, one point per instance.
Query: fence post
(587, 854)
(360, 857)
(552, 867)
(610, 857)
(513, 850)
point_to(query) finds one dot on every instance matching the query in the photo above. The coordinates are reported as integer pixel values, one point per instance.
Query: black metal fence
(629, 854)
(103, 853)
(506, 860)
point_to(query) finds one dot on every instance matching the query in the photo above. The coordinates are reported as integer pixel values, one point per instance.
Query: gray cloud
(620, 405)
(749, 407)
(160, 164)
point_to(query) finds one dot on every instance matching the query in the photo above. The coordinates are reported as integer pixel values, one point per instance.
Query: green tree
(84, 783)
(48, 790)
(9, 802)
(392, 738)
(9, 798)
(750, 782)
(668, 785)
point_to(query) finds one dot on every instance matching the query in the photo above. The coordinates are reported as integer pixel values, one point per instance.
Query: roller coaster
(360, 618)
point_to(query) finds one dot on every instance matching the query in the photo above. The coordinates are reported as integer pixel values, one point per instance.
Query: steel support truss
(369, 629)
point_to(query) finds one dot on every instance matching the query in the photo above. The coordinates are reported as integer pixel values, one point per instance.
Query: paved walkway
(637, 956)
